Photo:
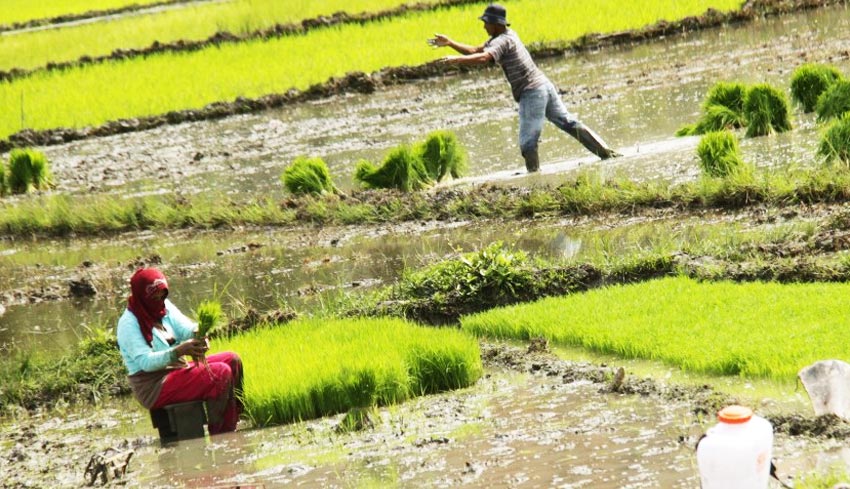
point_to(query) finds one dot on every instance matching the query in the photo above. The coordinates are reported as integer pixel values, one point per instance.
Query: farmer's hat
(495, 14)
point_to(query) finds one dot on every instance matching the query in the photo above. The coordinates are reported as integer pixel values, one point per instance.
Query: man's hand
(439, 41)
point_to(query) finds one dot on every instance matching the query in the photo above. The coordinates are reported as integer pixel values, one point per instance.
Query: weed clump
(719, 154)
(809, 81)
(834, 102)
(402, 169)
(308, 176)
(723, 108)
(28, 171)
(766, 111)
(443, 155)
(835, 143)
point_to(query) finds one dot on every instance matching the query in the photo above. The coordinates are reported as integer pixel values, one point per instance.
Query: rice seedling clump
(443, 155)
(719, 154)
(28, 171)
(319, 367)
(766, 111)
(308, 176)
(402, 169)
(723, 108)
(835, 143)
(210, 316)
(834, 102)
(809, 81)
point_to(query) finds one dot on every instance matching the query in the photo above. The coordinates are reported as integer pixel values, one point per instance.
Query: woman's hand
(195, 347)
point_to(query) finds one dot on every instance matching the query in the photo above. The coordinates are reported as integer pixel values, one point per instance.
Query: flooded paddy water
(515, 428)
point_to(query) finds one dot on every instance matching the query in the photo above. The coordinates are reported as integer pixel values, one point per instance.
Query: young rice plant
(314, 368)
(754, 329)
(766, 111)
(834, 101)
(723, 108)
(402, 169)
(835, 143)
(28, 171)
(809, 81)
(719, 154)
(308, 176)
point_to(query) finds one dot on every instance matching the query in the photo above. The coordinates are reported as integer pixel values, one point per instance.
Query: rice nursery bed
(94, 94)
(20, 11)
(313, 368)
(756, 330)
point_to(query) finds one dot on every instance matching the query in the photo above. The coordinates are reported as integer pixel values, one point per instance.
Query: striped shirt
(510, 53)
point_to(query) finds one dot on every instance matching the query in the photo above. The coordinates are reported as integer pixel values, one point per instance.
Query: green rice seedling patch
(28, 171)
(95, 94)
(308, 176)
(193, 23)
(402, 169)
(835, 142)
(18, 11)
(834, 101)
(757, 329)
(319, 367)
(723, 108)
(766, 110)
(719, 154)
(809, 81)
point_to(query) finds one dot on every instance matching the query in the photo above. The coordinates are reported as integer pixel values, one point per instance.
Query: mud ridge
(89, 14)
(704, 399)
(359, 82)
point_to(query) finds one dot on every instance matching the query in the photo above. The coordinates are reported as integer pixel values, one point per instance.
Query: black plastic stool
(182, 421)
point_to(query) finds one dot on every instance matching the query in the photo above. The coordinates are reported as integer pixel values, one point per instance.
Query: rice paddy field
(579, 327)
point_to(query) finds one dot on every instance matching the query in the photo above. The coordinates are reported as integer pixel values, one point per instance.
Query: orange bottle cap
(735, 414)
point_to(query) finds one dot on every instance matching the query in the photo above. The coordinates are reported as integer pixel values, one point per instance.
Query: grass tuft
(809, 81)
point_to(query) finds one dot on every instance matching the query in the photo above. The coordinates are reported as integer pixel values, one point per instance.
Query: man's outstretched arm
(441, 40)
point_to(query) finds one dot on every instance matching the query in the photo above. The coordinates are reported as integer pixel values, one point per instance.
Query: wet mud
(580, 423)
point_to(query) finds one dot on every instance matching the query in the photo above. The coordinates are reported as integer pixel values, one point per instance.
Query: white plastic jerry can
(736, 452)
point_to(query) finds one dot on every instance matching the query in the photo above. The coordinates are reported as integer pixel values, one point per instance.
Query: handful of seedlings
(210, 316)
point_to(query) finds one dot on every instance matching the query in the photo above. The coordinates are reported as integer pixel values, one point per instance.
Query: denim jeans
(544, 102)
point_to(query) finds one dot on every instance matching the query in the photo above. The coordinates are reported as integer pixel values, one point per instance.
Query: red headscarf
(145, 282)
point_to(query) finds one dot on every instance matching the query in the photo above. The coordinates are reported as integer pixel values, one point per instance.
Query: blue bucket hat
(495, 14)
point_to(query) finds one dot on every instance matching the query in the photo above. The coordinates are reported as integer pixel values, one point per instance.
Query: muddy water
(566, 434)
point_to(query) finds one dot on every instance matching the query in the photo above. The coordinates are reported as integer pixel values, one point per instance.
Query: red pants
(220, 386)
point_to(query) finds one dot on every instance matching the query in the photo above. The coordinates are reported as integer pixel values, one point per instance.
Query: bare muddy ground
(574, 428)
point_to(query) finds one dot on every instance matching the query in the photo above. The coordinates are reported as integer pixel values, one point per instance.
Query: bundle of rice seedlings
(835, 143)
(308, 176)
(442, 154)
(401, 169)
(834, 102)
(2, 179)
(719, 154)
(809, 81)
(28, 171)
(210, 316)
(723, 108)
(766, 111)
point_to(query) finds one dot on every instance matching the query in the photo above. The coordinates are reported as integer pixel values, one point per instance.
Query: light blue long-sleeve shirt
(138, 355)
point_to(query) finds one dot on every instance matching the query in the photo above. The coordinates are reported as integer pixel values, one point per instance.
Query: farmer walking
(535, 94)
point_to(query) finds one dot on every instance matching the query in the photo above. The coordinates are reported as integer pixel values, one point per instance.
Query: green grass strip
(195, 22)
(93, 95)
(314, 368)
(757, 330)
(19, 11)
